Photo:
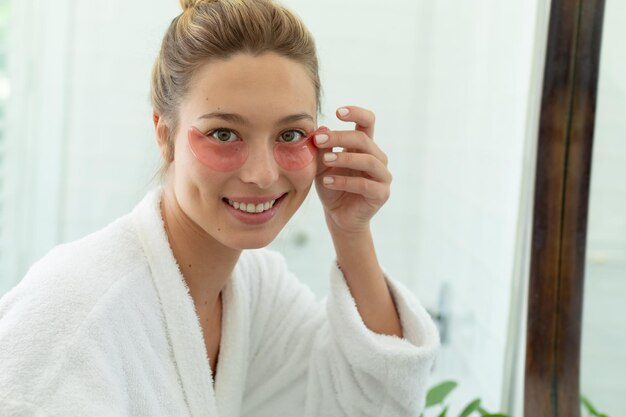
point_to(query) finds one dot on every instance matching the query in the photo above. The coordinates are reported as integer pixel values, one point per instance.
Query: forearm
(357, 260)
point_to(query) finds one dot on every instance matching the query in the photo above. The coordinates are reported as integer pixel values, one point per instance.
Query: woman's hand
(355, 185)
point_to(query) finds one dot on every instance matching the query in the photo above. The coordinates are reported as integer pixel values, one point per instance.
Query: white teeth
(252, 208)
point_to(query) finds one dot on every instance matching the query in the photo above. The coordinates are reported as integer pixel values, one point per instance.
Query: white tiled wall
(450, 84)
(603, 356)
(476, 84)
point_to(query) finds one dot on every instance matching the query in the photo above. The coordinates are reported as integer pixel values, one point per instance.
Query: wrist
(353, 232)
(354, 249)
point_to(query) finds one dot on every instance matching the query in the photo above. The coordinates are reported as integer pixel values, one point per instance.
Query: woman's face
(259, 100)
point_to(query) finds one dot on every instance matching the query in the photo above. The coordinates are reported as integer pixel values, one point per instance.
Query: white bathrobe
(105, 326)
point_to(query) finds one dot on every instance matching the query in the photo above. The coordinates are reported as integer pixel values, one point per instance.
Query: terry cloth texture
(105, 326)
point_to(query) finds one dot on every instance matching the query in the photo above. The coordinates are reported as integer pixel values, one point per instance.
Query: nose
(260, 168)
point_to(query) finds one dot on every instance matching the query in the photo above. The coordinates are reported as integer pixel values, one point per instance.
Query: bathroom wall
(4, 95)
(479, 83)
(451, 83)
(603, 351)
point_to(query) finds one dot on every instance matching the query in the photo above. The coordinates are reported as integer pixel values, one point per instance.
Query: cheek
(199, 182)
(303, 179)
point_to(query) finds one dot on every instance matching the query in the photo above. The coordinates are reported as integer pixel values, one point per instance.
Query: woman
(131, 320)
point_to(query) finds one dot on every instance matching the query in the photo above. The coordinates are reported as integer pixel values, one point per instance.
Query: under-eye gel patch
(216, 155)
(294, 156)
(229, 156)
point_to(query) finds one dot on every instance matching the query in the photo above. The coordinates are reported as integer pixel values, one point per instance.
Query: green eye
(292, 136)
(224, 135)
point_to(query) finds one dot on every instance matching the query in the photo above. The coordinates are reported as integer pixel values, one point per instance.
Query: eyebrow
(239, 119)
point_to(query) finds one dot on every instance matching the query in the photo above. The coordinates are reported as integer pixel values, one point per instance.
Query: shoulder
(87, 264)
(63, 287)
(112, 250)
(74, 301)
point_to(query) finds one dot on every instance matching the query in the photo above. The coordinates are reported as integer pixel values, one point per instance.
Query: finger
(364, 119)
(369, 189)
(319, 130)
(366, 163)
(350, 139)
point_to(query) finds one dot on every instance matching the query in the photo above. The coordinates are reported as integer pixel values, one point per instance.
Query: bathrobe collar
(183, 326)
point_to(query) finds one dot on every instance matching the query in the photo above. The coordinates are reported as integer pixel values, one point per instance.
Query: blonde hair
(208, 30)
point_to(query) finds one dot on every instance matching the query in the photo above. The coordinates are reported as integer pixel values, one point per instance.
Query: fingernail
(328, 180)
(319, 139)
(343, 111)
(330, 157)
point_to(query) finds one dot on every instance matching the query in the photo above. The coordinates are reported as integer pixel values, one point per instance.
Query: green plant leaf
(590, 408)
(444, 412)
(470, 408)
(485, 413)
(438, 393)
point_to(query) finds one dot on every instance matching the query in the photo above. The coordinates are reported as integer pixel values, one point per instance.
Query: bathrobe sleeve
(319, 359)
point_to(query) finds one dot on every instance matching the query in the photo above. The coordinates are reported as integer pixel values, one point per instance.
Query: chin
(252, 241)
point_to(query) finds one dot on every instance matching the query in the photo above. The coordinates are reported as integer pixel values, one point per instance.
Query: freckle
(219, 230)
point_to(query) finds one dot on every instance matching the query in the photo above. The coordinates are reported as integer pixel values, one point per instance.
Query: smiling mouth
(252, 208)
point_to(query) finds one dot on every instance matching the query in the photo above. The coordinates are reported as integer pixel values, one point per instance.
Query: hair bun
(189, 4)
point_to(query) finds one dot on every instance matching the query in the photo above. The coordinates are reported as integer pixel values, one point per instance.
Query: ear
(162, 132)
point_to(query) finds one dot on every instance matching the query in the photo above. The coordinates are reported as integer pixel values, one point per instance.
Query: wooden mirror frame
(559, 228)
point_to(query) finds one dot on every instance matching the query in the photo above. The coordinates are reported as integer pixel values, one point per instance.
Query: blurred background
(455, 86)
(603, 347)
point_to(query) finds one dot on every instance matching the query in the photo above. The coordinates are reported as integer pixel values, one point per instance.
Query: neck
(205, 263)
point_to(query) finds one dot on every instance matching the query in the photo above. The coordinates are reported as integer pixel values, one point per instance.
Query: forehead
(268, 83)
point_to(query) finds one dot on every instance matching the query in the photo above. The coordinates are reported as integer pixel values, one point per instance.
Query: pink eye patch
(229, 156)
(225, 156)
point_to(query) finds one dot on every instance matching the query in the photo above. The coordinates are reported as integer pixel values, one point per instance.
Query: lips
(254, 210)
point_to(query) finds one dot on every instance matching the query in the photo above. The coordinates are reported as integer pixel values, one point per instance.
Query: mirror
(603, 347)
(455, 88)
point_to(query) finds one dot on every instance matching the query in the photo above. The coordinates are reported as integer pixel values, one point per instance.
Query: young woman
(176, 309)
